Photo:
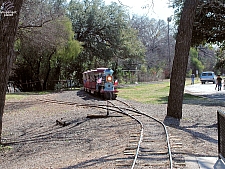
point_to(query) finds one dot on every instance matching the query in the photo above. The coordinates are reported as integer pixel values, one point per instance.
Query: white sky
(157, 9)
(160, 9)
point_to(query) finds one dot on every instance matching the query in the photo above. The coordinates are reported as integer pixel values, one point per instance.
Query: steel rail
(164, 126)
(122, 111)
(107, 107)
(141, 135)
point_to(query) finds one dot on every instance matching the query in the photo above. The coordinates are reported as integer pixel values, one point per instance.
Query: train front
(110, 91)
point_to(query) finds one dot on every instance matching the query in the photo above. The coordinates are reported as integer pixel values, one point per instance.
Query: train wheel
(99, 92)
(114, 96)
(105, 96)
(110, 95)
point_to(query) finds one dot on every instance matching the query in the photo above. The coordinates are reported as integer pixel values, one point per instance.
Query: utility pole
(169, 58)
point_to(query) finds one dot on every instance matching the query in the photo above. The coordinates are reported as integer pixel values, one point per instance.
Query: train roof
(98, 70)
(101, 69)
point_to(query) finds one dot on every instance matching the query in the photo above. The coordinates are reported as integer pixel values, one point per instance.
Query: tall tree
(105, 32)
(209, 23)
(43, 51)
(195, 63)
(8, 29)
(9, 19)
(182, 48)
(154, 36)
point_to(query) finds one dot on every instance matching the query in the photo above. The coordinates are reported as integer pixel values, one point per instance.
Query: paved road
(206, 90)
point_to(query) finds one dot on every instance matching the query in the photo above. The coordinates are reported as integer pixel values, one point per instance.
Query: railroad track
(150, 147)
(147, 148)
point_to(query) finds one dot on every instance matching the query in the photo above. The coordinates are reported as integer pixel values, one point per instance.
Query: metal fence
(221, 134)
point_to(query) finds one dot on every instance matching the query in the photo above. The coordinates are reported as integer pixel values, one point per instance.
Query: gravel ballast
(34, 140)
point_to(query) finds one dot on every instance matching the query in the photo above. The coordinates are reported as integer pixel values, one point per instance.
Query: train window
(103, 77)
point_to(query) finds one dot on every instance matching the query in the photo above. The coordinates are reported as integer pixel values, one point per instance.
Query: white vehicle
(208, 77)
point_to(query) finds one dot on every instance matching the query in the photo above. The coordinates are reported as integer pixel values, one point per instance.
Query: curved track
(151, 147)
(147, 148)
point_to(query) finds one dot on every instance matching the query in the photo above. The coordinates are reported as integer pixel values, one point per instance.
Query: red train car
(100, 82)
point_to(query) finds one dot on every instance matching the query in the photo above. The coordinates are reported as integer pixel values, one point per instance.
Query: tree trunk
(48, 70)
(182, 48)
(8, 29)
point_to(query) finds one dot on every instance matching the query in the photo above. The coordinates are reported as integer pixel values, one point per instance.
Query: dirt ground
(34, 140)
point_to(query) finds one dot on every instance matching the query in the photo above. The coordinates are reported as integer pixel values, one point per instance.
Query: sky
(160, 9)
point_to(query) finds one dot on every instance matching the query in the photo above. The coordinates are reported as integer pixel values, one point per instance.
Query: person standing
(192, 79)
(219, 82)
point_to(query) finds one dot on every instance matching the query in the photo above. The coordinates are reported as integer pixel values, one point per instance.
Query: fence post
(221, 134)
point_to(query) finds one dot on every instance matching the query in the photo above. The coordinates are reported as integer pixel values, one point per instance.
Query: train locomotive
(101, 82)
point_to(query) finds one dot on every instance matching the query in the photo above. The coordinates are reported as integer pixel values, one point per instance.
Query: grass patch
(5, 148)
(21, 95)
(14, 96)
(188, 96)
(152, 93)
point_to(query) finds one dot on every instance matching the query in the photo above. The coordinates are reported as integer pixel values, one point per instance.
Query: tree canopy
(209, 21)
(105, 32)
(42, 51)
(154, 36)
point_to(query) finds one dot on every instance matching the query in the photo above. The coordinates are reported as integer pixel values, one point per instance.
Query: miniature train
(101, 82)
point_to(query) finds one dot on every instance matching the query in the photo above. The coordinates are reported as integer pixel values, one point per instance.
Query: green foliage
(58, 87)
(209, 20)
(155, 93)
(178, 6)
(195, 64)
(220, 64)
(146, 93)
(143, 69)
(72, 47)
(130, 46)
(67, 54)
(105, 33)
(5, 148)
(14, 97)
(44, 54)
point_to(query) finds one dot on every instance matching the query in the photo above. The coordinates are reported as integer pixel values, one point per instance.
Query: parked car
(208, 77)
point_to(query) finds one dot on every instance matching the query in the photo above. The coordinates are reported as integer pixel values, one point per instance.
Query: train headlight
(109, 78)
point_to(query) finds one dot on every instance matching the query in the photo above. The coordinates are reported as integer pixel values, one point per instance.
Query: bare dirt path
(35, 141)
